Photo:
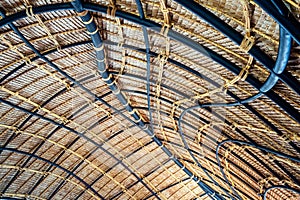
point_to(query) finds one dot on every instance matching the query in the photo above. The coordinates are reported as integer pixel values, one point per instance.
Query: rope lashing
(111, 9)
(167, 25)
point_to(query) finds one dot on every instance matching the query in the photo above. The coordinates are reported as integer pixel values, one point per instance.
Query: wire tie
(116, 92)
(108, 78)
(132, 112)
(89, 21)
(127, 102)
(112, 83)
(247, 43)
(165, 29)
(99, 48)
(94, 32)
(111, 10)
(29, 11)
(137, 121)
(58, 48)
(145, 127)
(101, 60)
(83, 13)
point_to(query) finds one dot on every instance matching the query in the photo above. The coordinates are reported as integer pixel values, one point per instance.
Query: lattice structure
(149, 99)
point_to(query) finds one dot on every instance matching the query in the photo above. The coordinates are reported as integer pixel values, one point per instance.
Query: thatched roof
(149, 99)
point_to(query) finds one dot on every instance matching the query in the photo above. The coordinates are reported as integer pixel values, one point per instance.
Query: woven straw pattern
(84, 143)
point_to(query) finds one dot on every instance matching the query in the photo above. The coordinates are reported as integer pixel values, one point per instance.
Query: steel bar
(55, 165)
(172, 34)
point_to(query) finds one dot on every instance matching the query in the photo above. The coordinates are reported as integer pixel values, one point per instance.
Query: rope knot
(247, 43)
(29, 11)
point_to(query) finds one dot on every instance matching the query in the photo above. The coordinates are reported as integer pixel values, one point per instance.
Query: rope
(227, 153)
(167, 25)
(112, 9)
(246, 45)
(162, 58)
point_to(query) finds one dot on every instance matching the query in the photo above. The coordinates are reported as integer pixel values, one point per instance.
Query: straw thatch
(59, 141)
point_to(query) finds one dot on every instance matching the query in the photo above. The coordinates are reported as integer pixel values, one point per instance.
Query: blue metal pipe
(55, 165)
(280, 65)
(75, 132)
(147, 48)
(99, 47)
(283, 17)
(236, 37)
(105, 76)
(281, 62)
(172, 34)
(253, 145)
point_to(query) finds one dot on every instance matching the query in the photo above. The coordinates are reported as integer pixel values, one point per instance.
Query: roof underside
(133, 99)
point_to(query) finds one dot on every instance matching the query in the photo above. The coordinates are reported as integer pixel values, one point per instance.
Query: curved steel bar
(253, 145)
(48, 136)
(280, 65)
(279, 187)
(236, 37)
(101, 63)
(218, 105)
(172, 34)
(178, 64)
(101, 60)
(55, 165)
(147, 46)
(287, 21)
(105, 75)
(194, 72)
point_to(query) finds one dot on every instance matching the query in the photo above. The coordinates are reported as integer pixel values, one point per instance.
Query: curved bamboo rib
(148, 81)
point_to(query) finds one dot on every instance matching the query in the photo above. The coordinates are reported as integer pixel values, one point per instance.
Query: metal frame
(255, 146)
(215, 57)
(236, 37)
(172, 34)
(55, 165)
(141, 51)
